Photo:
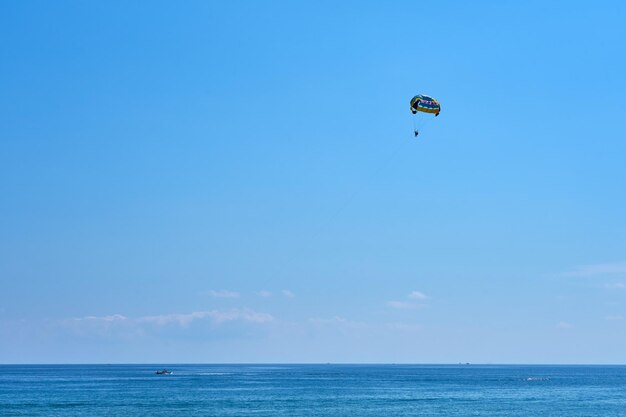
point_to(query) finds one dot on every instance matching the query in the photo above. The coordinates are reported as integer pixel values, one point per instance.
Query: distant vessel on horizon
(163, 372)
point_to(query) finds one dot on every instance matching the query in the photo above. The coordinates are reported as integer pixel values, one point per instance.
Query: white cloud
(216, 317)
(614, 318)
(597, 270)
(616, 286)
(417, 295)
(264, 293)
(108, 319)
(564, 325)
(288, 293)
(102, 325)
(181, 319)
(223, 294)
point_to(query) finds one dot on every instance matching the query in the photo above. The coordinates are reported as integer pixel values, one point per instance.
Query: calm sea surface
(312, 390)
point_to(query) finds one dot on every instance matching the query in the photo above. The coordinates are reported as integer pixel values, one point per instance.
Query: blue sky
(238, 182)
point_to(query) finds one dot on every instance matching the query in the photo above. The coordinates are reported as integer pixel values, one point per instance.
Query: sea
(312, 390)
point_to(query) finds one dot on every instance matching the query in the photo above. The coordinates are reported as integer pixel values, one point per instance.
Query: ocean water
(312, 390)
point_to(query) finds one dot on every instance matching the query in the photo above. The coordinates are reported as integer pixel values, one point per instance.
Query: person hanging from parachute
(424, 104)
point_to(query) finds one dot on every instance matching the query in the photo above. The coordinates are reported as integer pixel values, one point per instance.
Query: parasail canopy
(425, 104)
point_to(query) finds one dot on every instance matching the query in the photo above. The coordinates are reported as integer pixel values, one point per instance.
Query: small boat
(163, 372)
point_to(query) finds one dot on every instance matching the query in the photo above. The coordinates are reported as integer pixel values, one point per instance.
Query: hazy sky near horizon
(238, 182)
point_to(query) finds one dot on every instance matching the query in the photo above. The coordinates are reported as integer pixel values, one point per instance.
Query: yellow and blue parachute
(425, 104)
